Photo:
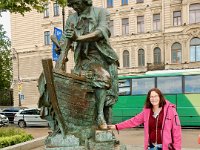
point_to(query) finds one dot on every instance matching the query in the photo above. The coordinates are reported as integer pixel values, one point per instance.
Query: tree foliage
(5, 61)
(22, 6)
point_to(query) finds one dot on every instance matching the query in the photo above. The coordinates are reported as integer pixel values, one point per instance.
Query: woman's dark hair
(162, 99)
(88, 2)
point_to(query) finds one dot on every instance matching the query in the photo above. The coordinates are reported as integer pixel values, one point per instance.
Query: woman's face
(154, 98)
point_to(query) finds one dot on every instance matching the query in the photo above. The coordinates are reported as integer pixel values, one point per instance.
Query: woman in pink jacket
(162, 129)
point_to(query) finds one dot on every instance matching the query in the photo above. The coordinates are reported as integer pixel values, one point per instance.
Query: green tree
(5, 61)
(22, 6)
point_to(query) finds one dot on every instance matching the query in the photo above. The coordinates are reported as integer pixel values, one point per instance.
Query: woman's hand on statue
(111, 127)
(71, 34)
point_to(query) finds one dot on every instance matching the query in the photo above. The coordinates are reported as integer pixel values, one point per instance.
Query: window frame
(170, 86)
(141, 57)
(177, 18)
(143, 86)
(125, 86)
(156, 22)
(46, 11)
(109, 3)
(157, 55)
(56, 9)
(194, 11)
(125, 26)
(195, 82)
(124, 2)
(140, 24)
(46, 37)
(176, 51)
(196, 49)
(126, 59)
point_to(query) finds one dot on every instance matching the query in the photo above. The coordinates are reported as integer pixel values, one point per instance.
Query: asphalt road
(132, 136)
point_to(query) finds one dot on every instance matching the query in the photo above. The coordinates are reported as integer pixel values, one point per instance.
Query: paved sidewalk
(129, 147)
(133, 138)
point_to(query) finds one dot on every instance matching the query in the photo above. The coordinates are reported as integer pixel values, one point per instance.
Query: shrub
(12, 136)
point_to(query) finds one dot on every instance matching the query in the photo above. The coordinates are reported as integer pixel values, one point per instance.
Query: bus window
(124, 87)
(170, 84)
(192, 84)
(124, 83)
(142, 85)
(124, 91)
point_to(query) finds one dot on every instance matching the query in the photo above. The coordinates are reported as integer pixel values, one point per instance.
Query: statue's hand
(57, 50)
(71, 34)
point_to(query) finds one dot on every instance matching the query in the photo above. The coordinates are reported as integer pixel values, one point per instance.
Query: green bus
(181, 87)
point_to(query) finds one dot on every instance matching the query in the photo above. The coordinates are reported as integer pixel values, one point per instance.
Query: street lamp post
(18, 77)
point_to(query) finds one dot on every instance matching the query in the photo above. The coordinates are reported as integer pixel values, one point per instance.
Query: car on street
(10, 112)
(29, 117)
(3, 120)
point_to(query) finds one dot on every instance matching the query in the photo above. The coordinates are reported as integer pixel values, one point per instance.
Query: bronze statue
(76, 103)
(87, 29)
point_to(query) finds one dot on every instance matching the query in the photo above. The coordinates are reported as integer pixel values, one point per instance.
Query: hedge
(11, 136)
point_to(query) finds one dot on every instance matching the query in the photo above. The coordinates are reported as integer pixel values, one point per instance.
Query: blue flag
(58, 34)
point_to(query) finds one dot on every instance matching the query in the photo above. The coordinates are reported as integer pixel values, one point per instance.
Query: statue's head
(86, 2)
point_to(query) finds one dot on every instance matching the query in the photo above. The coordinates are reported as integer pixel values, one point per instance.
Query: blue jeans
(152, 147)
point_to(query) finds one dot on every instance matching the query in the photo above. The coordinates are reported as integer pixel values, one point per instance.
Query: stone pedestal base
(102, 140)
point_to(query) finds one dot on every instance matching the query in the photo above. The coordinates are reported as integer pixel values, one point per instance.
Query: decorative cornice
(194, 33)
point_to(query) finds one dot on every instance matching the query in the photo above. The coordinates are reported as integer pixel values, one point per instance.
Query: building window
(177, 18)
(140, 24)
(125, 26)
(56, 9)
(125, 58)
(194, 13)
(156, 22)
(141, 60)
(157, 55)
(46, 11)
(139, 1)
(46, 37)
(111, 27)
(195, 50)
(109, 3)
(124, 2)
(176, 53)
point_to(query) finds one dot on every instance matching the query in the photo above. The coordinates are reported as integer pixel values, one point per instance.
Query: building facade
(146, 34)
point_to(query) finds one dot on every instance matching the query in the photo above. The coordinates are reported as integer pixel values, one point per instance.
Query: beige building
(146, 34)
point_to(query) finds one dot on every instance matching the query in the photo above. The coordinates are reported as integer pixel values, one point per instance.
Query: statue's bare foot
(102, 123)
(103, 126)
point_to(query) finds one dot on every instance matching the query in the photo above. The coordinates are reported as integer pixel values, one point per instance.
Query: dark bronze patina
(80, 102)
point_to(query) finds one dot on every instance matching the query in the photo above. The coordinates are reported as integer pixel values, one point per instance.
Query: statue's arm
(94, 36)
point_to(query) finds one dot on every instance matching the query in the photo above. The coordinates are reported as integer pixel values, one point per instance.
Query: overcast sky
(5, 20)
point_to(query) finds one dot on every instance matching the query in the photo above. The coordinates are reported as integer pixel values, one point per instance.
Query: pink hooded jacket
(171, 128)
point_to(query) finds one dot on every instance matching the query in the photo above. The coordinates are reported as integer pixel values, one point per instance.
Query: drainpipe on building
(18, 77)
(163, 29)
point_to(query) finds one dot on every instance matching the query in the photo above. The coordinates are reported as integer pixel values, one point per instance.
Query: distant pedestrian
(162, 129)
